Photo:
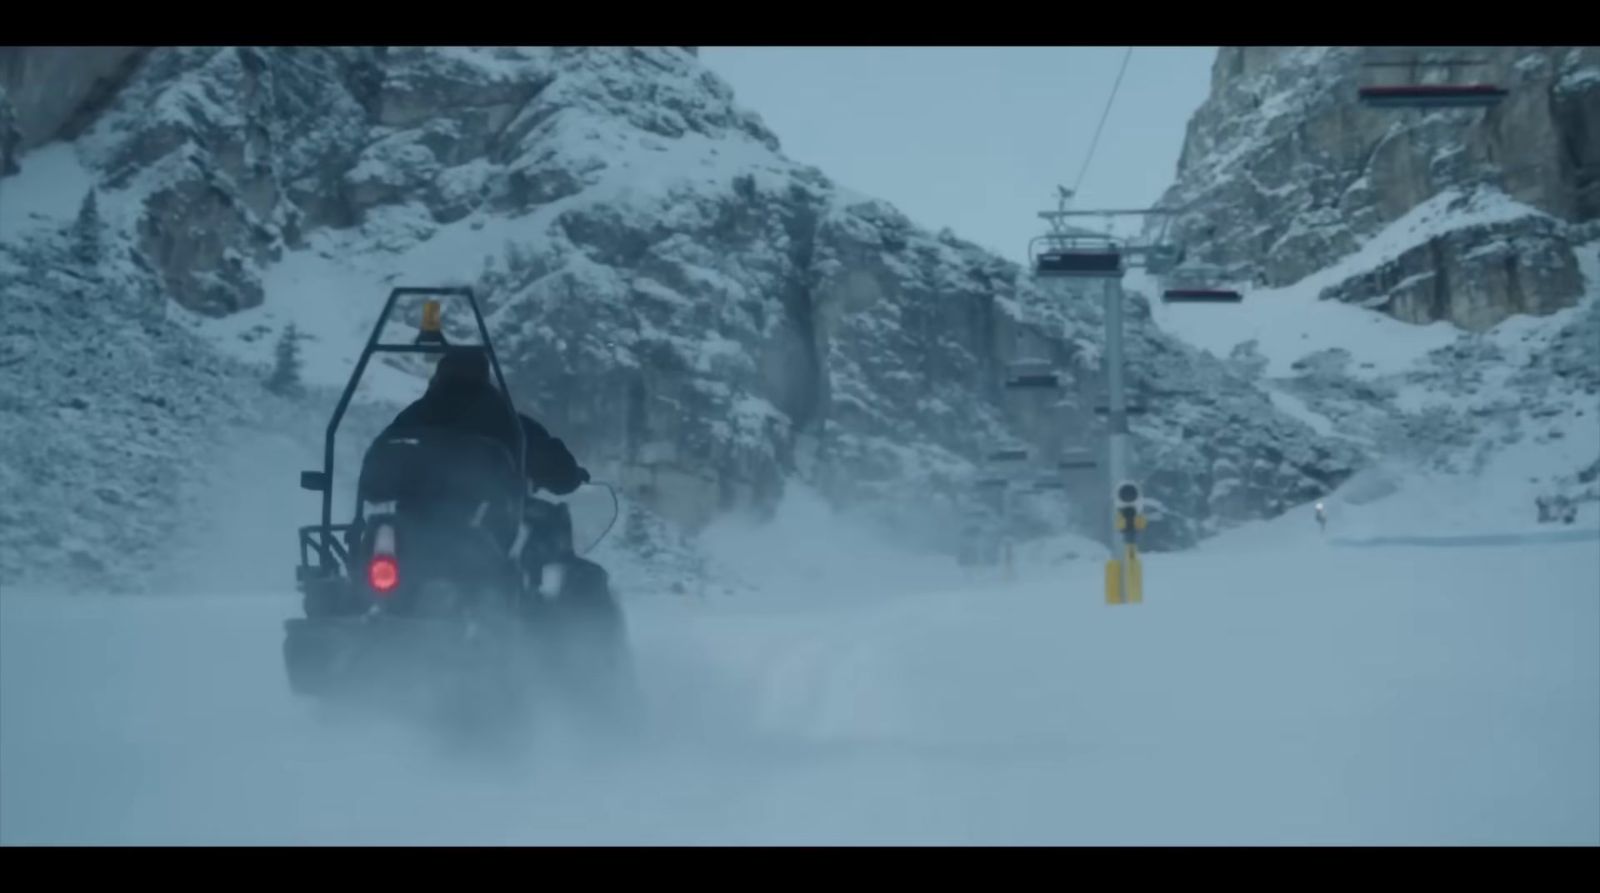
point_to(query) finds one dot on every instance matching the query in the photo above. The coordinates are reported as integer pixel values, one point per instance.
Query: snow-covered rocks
(1285, 174)
(1424, 283)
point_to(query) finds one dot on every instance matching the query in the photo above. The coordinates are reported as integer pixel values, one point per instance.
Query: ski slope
(1276, 687)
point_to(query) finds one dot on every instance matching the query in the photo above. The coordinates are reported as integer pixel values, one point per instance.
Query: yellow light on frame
(430, 316)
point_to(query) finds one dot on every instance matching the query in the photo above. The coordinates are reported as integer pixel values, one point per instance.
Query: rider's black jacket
(478, 408)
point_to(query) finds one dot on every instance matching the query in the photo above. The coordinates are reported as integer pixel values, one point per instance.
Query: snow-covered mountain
(700, 316)
(1467, 215)
(1422, 284)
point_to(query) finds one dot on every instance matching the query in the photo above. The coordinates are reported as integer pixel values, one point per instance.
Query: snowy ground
(1289, 322)
(1276, 687)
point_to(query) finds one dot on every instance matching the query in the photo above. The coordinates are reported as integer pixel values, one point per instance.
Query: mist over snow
(865, 695)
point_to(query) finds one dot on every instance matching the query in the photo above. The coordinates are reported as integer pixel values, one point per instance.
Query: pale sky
(976, 138)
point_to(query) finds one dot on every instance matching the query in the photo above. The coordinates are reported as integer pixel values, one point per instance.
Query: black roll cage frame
(322, 538)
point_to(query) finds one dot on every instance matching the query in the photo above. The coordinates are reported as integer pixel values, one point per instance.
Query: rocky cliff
(1284, 173)
(1476, 227)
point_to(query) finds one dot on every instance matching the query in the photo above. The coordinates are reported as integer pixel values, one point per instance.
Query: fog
(1275, 687)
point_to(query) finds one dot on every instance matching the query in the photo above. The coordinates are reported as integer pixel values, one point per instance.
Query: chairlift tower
(1067, 251)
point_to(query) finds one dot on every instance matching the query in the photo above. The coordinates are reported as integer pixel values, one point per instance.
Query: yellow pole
(1135, 576)
(1113, 582)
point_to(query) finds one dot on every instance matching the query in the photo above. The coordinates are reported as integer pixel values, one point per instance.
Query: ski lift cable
(1104, 114)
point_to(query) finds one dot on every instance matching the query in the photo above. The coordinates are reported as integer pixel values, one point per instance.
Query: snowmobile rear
(453, 584)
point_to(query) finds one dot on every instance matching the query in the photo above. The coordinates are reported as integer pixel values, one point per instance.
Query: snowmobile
(454, 582)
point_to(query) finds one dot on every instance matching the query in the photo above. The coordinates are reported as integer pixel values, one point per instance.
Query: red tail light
(384, 574)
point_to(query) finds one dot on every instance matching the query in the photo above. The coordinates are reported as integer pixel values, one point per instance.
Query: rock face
(104, 408)
(115, 421)
(701, 317)
(1294, 191)
(1474, 276)
(53, 91)
(1464, 405)
(1283, 173)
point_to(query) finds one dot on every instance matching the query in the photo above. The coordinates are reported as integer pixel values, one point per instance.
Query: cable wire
(1095, 141)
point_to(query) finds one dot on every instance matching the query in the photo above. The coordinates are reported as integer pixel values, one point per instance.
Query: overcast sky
(976, 138)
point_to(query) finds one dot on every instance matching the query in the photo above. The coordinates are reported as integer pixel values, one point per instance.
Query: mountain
(707, 320)
(1422, 283)
(1284, 173)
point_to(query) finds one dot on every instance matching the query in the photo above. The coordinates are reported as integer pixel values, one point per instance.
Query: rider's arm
(549, 463)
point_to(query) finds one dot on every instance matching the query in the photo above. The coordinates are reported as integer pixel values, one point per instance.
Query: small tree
(285, 379)
(88, 230)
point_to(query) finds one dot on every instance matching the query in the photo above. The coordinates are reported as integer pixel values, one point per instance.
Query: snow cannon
(1129, 508)
(1125, 575)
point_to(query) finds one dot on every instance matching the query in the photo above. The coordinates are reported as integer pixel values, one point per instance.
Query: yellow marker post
(1113, 582)
(1114, 588)
(1135, 575)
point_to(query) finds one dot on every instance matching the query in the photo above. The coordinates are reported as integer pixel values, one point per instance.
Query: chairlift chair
(1433, 96)
(1201, 296)
(1032, 375)
(1037, 381)
(1419, 95)
(1058, 256)
(1199, 285)
(1131, 409)
(1076, 461)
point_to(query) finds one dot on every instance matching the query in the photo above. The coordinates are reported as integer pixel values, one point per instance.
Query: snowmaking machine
(453, 581)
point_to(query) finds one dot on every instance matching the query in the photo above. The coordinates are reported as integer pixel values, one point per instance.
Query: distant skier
(1322, 519)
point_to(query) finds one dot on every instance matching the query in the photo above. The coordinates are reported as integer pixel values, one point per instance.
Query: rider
(460, 396)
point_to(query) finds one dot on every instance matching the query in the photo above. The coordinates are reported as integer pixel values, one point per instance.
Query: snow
(1445, 212)
(1578, 79)
(335, 306)
(47, 191)
(1516, 341)
(1292, 321)
(1296, 408)
(1276, 687)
